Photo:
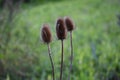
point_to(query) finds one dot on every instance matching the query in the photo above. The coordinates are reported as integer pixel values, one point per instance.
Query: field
(96, 41)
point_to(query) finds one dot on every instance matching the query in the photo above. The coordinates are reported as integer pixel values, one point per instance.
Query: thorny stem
(52, 64)
(61, 69)
(71, 57)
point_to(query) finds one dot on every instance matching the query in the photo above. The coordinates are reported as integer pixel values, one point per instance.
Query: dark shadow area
(32, 3)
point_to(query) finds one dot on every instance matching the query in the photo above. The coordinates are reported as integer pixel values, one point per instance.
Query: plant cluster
(63, 26)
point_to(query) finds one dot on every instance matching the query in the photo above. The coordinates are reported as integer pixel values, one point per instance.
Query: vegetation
(96, 41)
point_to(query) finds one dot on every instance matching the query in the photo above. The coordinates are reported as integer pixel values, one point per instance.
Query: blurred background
(96, 39)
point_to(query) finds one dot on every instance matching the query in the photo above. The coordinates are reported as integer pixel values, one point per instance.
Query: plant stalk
(71, 57)
(61, 69)
(52, 64)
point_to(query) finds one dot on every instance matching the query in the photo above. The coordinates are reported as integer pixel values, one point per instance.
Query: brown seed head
(61, 30)
(69, 24)
(46, 34)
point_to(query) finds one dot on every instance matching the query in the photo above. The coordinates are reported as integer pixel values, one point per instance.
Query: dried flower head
(69, 24)
(61, 29)
(46, 34)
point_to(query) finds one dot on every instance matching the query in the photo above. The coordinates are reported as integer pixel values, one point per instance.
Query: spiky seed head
(46, 34)
(69, 24)
(61, 30)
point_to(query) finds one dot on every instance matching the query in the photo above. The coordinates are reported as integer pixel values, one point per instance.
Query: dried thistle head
(69, 24)
(61, 30)
(46, 34)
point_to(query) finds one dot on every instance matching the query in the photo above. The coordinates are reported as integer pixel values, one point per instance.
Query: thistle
(47, 38)
(61, 32)
(70, 27)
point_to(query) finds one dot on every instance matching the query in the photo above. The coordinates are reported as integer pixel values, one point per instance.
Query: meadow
(96, 41)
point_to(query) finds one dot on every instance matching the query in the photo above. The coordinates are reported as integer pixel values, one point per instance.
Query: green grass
(95, 39)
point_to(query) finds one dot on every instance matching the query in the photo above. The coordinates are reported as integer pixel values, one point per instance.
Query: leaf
(1, 56)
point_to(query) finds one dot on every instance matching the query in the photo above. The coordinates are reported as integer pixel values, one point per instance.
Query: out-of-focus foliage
(96, 41)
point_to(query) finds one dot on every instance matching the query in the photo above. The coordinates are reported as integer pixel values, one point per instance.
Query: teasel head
(70, 27)
(69, 24)
(46, 34)
(61, 30)
(47, 38)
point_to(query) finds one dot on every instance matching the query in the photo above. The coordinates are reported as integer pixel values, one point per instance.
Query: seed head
(61, 30)
(46, 34)
(69, 24)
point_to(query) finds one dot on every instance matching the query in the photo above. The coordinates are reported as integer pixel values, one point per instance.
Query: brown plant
(69, 24)
(70, 27)
(61, 32)
(61, 29)
(46, 34)
(47, 38)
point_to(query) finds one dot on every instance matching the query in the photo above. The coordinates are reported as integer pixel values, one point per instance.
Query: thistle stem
(71, 57)
(52, 64)
(61, 69)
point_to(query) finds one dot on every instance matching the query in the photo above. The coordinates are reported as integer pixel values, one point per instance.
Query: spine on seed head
(69, 24)
(61, 30)
(46, 34)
